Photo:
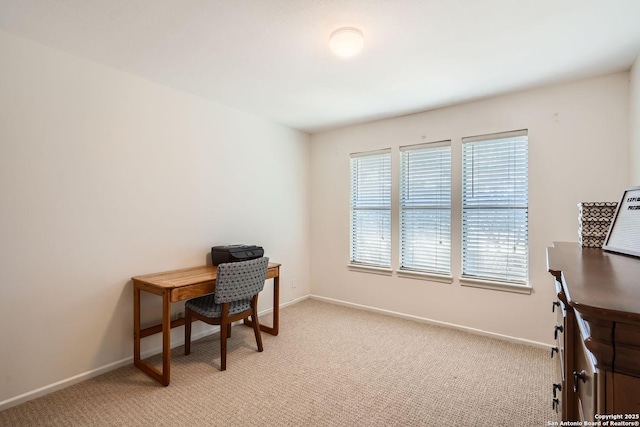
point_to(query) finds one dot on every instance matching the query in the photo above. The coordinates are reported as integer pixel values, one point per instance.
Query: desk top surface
(598, 282)
(185, 276)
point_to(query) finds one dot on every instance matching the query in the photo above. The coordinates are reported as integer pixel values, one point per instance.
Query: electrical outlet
(179, 314)
(293, 284)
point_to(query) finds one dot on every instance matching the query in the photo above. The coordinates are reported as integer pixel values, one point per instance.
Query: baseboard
(434, 322)
(42, 391)
(6, 404)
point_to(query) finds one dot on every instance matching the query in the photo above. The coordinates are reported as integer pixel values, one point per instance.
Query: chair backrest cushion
(240, 280)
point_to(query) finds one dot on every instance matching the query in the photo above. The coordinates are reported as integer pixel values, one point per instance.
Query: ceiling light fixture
(346, 42)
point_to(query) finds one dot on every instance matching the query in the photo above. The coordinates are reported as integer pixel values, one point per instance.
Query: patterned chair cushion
(206, 306)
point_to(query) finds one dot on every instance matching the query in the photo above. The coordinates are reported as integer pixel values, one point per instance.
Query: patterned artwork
(594, 219)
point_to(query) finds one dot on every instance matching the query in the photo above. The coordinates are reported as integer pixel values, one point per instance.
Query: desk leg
(273, 330)
(166, 338)
(161, 377)
(136, 326)
(276, 307)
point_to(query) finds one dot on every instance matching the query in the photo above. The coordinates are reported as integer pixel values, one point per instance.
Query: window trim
(495, 285)
(423, 275)
(368, 268)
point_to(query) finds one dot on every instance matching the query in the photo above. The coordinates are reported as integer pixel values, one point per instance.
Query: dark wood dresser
(597, 333)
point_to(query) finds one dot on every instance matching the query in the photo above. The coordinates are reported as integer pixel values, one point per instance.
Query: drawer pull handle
(554, 404)
(556, 387)
(554, 305)
(577, 376)
(554, 350)
(555, 331)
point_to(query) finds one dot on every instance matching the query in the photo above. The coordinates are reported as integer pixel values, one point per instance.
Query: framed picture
(624, 233)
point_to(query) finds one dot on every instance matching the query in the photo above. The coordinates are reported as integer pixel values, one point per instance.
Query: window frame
(360, 264)
(431, 269)
(456, 214)
(515, 284)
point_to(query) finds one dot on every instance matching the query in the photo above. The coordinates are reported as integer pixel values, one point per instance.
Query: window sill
(425, 276)
(370, 269)
(496, 286)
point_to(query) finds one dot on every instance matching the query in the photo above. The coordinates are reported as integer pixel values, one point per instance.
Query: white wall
(104, 176)
(578, 148)
(634, 123)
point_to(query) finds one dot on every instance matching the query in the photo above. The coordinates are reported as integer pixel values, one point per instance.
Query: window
(495, 207)
(371, 208)
(425, 208)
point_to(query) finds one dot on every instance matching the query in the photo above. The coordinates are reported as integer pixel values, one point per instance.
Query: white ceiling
(271, 57)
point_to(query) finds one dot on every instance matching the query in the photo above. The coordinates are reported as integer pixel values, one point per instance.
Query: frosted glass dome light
(346, 42)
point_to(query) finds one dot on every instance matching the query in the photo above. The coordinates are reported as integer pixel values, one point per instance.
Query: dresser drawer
(558, 334)
(600, 292)
(559, 391)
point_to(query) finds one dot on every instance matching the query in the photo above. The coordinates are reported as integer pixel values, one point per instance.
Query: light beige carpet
(330, 366)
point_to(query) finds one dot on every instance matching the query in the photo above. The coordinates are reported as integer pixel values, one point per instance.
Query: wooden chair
(235, 298)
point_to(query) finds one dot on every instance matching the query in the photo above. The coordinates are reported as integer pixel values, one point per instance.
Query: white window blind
(495, 207)
(425, 208)
(371, 208)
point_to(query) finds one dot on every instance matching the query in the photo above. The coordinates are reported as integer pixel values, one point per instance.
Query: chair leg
(188, 318)
(223, 336)
(223, 350)
(229, 330)
(256, 325)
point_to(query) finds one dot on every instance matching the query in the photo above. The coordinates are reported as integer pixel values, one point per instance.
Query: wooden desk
(179, 285)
